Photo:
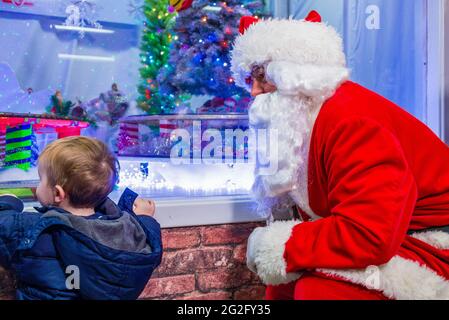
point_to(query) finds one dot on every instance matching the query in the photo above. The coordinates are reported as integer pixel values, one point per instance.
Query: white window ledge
(174, 213)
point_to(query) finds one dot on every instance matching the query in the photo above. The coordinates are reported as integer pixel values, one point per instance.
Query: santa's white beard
(293, 118)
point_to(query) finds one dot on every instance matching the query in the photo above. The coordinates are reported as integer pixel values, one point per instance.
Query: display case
(155, 136)
(189, 188)
(189, 192)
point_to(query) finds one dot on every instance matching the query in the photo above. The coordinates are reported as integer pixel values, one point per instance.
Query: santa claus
(365, 185)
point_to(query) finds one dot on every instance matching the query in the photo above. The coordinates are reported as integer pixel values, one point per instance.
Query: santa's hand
(265, 253)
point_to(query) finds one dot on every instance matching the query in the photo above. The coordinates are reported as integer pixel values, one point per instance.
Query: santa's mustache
(270, 108)
(260, 110)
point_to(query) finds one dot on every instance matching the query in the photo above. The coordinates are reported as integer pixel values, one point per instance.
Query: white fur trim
(253, 243)
(403, 279)
(437, 239)
(269, 254)
(400, 278)
(297, 41)
(310, 80)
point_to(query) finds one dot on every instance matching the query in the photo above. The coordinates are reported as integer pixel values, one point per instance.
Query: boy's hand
(144, 207)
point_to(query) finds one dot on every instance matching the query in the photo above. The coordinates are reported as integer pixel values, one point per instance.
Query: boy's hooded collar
(103, 230)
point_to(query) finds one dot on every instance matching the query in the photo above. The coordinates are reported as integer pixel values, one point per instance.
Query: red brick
(177, 263)
(226, 234)
(239, 255)
(250, 293)
(223, 278)
(216, 257)
(181, 238)
(220, 295)
(189, 261)
(157, 287)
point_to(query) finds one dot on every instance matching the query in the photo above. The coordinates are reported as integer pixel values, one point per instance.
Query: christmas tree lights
(155, 47)
(199, 61)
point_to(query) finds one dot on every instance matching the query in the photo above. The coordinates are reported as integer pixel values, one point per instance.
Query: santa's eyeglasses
(257, 73)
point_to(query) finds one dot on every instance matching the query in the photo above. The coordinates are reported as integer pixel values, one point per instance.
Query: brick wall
(199, 263)
(205, 263)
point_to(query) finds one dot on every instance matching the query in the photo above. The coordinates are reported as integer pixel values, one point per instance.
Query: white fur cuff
(269, 254)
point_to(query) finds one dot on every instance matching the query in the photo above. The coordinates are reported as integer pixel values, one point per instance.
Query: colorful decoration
(18, 136)
(199, 60)
(116, 105)
(82, 13)
(19, 3)
(2, 147)
(139, 137)
(58, 106)
(181, 5)
(225, 105)
(128, 137)
(103, 114)
(156, 39)
(18, 147)
(166, 127)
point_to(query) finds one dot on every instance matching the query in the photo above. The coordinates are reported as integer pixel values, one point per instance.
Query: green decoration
(59, 107)
(18, 147)
(156, 39)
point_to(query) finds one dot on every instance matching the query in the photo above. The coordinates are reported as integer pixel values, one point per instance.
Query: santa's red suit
(372, 183)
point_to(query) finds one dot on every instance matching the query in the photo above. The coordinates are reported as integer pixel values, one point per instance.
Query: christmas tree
(156, 39)
(199, 59)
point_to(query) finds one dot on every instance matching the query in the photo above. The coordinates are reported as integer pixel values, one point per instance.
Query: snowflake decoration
(82, 13)
(136, 10)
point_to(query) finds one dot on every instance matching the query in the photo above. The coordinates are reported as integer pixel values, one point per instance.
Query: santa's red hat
(247, 21)
(308, 43)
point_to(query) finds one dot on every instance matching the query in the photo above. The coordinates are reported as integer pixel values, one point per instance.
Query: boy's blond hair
(84, 167)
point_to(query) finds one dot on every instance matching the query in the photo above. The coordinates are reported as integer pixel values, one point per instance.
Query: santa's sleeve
(371, 195)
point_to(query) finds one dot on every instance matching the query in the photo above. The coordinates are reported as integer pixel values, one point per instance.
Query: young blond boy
(80, 245)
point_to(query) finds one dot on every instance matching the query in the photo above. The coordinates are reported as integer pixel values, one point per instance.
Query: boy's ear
(60, 194)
